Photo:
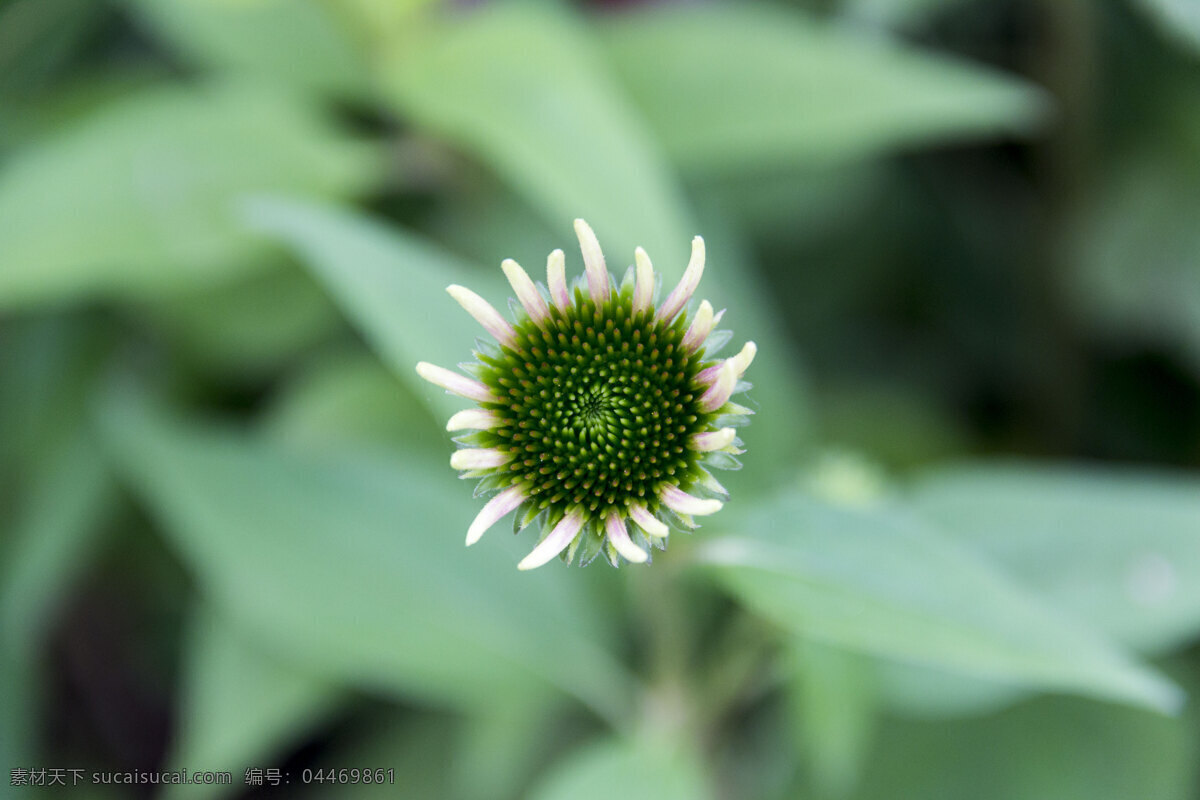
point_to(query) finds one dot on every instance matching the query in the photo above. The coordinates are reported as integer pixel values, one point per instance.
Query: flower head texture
(600, 411)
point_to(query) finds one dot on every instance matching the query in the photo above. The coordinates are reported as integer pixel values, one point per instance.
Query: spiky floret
(597, 408)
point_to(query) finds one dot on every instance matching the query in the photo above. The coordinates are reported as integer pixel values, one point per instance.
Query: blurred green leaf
(1059, 748)
(289, 42)
(241, 706)
(347, 396)
(249, 326)
(390, 284)
(353, 565)
(1177, 19)
(630, 770)
(731, 86)
(417, 747)
(47, 540)
(1138, 248)
(1119, 548)
(138, 196)
(881, 581)
(834, 704)
(38, 36)
(522, 87)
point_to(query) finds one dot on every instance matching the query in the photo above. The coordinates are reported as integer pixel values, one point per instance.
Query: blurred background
(964, 235)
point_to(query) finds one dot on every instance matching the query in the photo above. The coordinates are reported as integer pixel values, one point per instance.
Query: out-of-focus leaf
(249, 326)
(881, 581)
(1138, 268)
(352, 564)
(390, 284)
(490, 761)
(833, 699)
(730, 86)
(415, 751)
(350, 397)
(139, 196)
(521, 87)
(1119, 548)
(37, 36)
(1059, 748)
(1177, 19)
(289, 42)
(64, 507)
(631, 770)
(241, 706)
(52, 534)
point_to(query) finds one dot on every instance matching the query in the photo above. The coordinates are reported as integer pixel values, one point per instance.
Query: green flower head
(597, 408)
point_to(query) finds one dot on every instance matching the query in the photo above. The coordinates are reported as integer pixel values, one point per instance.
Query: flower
(599, 412)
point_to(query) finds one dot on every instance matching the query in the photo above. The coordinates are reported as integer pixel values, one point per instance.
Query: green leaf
(880, 581)
(241, 706)
(834, 705)
(138, 196)
(1060, 748)
(290, 42)
(347, 396)
(727, 87)
(352, 564)
(1177, 19)
(523, 88)
(390, 284)
(1138, 268)
(250, 326)
(630, 770)
(1118, 547)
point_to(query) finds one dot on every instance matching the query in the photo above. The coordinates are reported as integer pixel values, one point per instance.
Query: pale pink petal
(643, 288)
(701, 326)
(593, 262)
(479, 458)
(484, 314)
(721, 389)
(713, 440)
(527, 293)
(648, 522)
(496, 508)
(562, 535)
(741, 361)
(478, 419)
(619, 536)
(455, 383)
(680, 295)
(683, 503)
(556, 279)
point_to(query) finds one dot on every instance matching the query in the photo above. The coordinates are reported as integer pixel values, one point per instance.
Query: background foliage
(963, 559)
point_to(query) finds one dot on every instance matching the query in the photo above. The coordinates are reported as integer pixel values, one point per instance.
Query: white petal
(713, 440)
(455, 383)
(745, 358)
(484, 314)
(479, 458)
(556, 279)
(643, 289)
(562, 535)
(477, 419)
(701, 326)
(593, 262)
(680, 295)
(722, 387)
(648, 522)
(619, 536)
(496, 508)
(527, 293)
(684, 503)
